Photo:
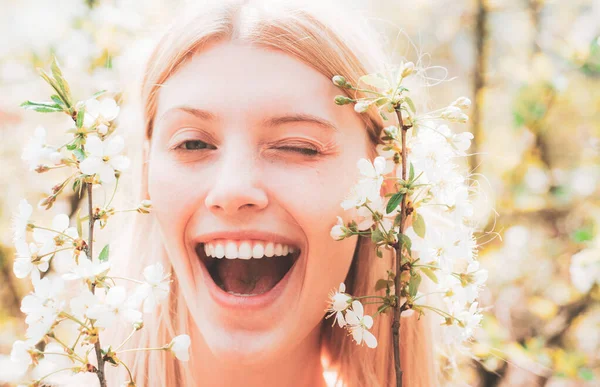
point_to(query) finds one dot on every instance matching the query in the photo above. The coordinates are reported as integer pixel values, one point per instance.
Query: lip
(232, 302)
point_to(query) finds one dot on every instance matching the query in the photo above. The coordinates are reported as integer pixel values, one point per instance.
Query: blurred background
(532, 69)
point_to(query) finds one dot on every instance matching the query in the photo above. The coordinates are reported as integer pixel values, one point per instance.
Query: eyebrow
(268, 122)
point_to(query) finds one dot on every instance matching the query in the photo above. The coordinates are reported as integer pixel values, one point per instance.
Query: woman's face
(249, 151)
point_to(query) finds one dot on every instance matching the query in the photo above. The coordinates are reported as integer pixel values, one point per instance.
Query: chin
(234, 348)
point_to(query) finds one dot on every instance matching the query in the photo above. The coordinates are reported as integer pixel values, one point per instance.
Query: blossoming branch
(423, 186)
(76, 296)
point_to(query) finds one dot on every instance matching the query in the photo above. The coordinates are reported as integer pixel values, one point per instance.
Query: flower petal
(357, 334)
(120, 163)
(357, 307)
(370, 339)
(60, 222)
(107, 174)
(94, 146)
(91, 165)
(114, 146)
(379, 164)
(351, 317)
(365, 168)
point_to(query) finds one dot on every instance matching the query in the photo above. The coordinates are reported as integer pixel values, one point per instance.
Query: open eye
(195, 145)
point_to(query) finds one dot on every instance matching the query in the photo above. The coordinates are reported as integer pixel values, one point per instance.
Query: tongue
(252, 276)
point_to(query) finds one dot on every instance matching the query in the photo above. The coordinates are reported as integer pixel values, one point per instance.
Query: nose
(236, 185)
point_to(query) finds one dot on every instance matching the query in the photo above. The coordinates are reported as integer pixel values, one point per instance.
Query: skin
(253, 176)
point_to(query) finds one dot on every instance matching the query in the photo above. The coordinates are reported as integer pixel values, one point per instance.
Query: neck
(300, 366)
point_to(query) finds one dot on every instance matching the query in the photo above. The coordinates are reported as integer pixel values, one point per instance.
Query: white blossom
(115, 308)
(155, 287)
(42, 306)
(27, 261)
(88, 270)
(179, 346)
(359, 325)
(585, 269)
(337, 231)
(84, 301)
(104, 158)
(20, 355)
(37, 152)
(369, 185)
(339, 301)
(20, 220)
(53, 240)
(101, 113)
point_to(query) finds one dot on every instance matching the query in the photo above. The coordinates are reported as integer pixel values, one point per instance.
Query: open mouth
(247, 268)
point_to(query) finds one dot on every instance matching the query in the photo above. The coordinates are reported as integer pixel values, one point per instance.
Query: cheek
(172, 193)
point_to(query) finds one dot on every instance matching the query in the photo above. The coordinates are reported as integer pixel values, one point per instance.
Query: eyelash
(303, 151)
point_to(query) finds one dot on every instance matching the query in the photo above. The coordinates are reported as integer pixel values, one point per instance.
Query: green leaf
(429, 273)
(586, 374)
(583, 234)
(382, 114)
(71, 146)
(419, 225)
(57, 99)
(55, 86)
(80, 117)
(411, 173)
(79, 154)
(42, 107)
(76, 184)
(375, 80)
(382, 284)
(413, 284)
(397, 219)
(377, 235)
(98, 94)
(405, 240)
(378, 252)
(393, 203)
(103, 257)
(61, 82)
(410, 104)
(382, 308)
(381, 101)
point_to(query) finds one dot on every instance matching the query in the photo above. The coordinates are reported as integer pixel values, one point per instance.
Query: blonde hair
(332, 40)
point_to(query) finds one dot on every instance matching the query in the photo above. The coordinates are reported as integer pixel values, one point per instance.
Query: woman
(244, 149)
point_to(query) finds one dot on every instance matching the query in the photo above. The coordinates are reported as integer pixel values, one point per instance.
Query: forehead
(239, 80)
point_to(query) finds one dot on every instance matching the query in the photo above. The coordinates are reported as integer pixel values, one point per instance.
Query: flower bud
(338, 80)
(391, 131)
(338, 232)
(362, 106)
(462, 103)
(342, 100)
(145, 206)
(454, 114)
(47, 202)
(41, 168)
(407, 69)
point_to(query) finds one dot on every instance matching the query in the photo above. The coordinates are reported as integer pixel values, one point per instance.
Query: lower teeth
(242, 294)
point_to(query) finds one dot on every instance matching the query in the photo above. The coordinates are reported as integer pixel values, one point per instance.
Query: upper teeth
(245, 249)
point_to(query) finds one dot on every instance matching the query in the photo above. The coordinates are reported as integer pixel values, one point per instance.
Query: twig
(399, 247)
(97, 347)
